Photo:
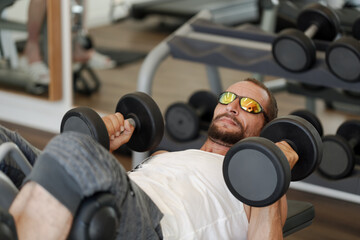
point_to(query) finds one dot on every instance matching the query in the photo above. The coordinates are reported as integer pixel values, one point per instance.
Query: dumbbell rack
(246, 48)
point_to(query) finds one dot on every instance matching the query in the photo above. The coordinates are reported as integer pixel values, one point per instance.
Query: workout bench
(300, 214)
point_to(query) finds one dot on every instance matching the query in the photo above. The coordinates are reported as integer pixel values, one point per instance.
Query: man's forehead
(250, 89)
(244, 87)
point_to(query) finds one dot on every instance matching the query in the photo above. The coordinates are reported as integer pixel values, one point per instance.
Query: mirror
(15, 73)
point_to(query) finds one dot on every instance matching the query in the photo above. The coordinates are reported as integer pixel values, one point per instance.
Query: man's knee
(84, 166)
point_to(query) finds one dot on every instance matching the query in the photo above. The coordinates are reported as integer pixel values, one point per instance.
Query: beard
(218, 135)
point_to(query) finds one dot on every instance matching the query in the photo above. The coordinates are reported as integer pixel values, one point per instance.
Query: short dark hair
(272, 108)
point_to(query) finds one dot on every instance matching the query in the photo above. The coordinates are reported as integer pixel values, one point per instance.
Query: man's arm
(267, 222)
(33, 220)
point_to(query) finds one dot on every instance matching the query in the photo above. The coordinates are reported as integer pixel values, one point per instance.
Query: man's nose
(233, 107)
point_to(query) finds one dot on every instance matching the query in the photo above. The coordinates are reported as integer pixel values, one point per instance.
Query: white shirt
(189, 189)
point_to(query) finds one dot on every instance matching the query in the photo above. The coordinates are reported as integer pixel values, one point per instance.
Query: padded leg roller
(8, 192)
(96, 219)
(7, 226)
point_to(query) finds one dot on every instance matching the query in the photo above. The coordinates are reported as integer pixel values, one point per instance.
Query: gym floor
(176, 80)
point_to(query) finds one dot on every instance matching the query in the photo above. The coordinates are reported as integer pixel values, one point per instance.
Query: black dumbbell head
(182, 122)
(206, 101)
(311, 118)
(303, 137)
(294, 51)
(324, 18)
(338, 159)
(343, 59)
(149, 122)
(350, 131)
(256, 171)
(87, 121)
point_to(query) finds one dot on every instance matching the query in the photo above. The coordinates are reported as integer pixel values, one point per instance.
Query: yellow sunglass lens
(250, 105)
(227, 98)
(247, 104)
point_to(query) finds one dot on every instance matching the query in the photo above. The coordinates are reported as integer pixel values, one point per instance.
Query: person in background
(32, 60)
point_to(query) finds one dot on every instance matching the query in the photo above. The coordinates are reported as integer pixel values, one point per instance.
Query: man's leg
(72, 167)
(38, 215)
(36, 16)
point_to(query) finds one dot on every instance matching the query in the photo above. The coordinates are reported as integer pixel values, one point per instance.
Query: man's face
(231, 123)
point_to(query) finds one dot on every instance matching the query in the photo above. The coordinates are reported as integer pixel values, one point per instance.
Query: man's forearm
(267, 222)
(38, 215)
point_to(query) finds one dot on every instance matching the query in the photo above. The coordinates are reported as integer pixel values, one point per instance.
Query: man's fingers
(114, 124)
(109, 126)
(118, 122)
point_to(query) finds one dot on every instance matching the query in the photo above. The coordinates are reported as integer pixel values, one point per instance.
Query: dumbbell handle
(311, 31)
(131, 121)
(200, 112)
(353, 142)
(292, 144)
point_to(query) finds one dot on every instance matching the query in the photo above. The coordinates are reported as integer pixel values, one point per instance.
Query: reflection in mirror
(85, 59)
(25, 44)
(85, 79)
(22, 60)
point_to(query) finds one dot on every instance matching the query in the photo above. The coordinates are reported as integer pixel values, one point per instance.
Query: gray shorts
(140, 217)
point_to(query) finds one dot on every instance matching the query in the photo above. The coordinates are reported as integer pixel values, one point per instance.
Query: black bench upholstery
(300, 215)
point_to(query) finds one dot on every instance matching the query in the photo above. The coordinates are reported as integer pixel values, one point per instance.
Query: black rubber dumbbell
(311, 118)
(341, 151)
(257, 172)
(139, 108)
(343, 55)
(294, 49)
(97, 218)
(184, 121)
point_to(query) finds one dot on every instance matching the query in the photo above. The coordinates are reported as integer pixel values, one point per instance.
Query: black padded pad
(7, 226)
(300, 215)
(245, 10)
(97, 218)
(8, 191)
